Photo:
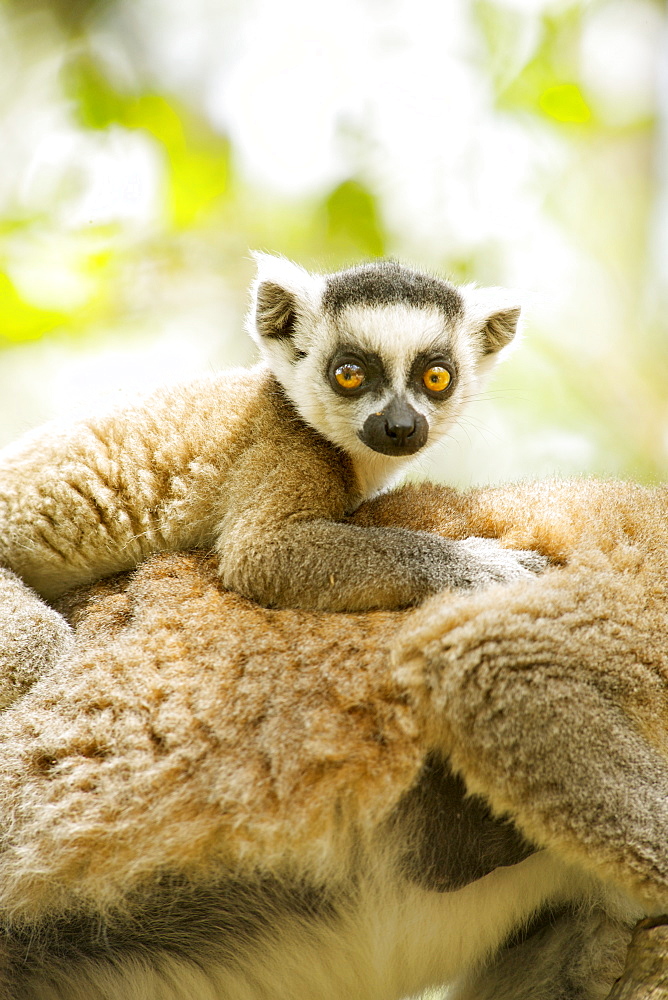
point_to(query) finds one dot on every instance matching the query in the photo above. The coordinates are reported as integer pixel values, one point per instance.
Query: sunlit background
(148, 145)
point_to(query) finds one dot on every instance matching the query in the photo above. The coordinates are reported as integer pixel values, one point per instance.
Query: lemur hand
(481, 562)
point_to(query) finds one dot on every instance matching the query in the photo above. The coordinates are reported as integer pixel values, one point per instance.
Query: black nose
(401, 428)
(397, 429)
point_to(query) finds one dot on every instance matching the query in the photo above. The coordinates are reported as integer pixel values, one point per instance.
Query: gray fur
(275, 310)
(500, 330)
(392, 567)
(575, 954)
(476, 844)
(386, 282)
(276, 938)
(486, 706)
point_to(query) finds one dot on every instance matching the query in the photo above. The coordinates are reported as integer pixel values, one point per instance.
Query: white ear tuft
(494, 314)
(290, 276)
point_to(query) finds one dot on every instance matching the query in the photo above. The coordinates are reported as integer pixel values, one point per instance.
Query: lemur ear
(275, 310)
(282, 292)
(500, 329)
(494, 314)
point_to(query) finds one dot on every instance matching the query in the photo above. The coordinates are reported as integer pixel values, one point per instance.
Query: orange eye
(349, 376)
(437, 378)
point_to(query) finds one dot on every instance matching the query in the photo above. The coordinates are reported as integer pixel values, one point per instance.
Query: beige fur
(258, 464)
(195, 740)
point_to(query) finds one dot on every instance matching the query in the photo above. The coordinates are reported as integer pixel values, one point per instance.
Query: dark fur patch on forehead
(384, 283)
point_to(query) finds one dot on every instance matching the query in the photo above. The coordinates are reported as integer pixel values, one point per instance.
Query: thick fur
(262, 465)
(218, 800)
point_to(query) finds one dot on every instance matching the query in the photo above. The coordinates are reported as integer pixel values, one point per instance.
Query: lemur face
(391, 371)
(398, 427)
(380, 358)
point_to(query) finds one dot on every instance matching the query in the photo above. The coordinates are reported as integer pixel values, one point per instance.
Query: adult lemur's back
(362, 370)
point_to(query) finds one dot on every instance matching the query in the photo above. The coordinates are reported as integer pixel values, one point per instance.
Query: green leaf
(565, 103)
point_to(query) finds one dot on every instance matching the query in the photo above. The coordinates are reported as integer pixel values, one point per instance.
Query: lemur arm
(552, 703)
(309, 559)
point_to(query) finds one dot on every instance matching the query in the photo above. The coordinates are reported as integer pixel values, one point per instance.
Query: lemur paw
(531, 560)
(33, 637)
(487, 563)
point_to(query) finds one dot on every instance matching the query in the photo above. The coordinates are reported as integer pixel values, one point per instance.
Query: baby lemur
(361, 371)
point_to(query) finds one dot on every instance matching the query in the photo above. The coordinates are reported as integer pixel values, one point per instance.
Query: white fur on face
(397, 333)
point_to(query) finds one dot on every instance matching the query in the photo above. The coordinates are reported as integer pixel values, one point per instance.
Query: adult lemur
(209, 800)
(362, 369)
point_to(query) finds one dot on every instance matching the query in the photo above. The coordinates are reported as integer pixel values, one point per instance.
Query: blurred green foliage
(354, 226)
(198, 159)
(23, 321)
(598, 190)
(547, 84)
(71, 15)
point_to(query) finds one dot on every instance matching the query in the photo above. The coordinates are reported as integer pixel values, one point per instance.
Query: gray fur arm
(322, 565)
(552, 705)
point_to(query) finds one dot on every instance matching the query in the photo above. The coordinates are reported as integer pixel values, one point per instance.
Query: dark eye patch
(375, 379)
(425, 361)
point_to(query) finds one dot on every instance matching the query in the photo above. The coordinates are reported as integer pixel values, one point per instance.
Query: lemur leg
(34, 637)
(569, 956)
(552, 704)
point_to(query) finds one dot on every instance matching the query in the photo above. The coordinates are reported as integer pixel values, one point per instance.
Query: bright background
(148, 145)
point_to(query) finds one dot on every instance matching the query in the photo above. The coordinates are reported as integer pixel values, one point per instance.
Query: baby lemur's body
(361, 370)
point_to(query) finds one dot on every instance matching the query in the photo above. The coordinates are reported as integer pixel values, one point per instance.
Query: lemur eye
(349, 376)
(436, 378)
